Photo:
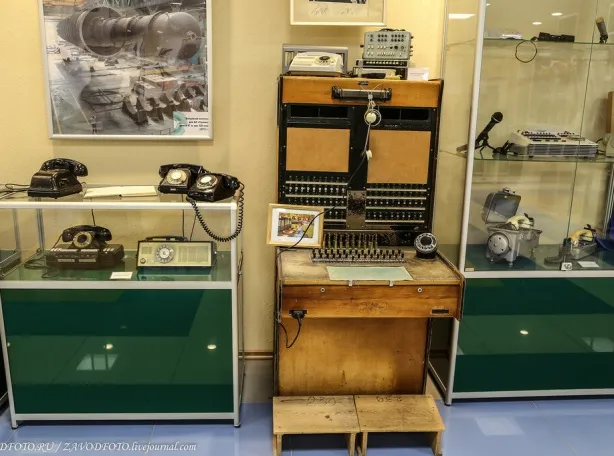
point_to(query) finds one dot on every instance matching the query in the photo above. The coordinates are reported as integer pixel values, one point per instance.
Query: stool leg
(435, 441)
(277, 444)
(362, 447)
(352, 444)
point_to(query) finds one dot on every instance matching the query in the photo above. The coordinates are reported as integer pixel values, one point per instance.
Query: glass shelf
(510, 42)
(489, 156)
(221, 272)
(78, 201)
(476, 260)
(545, 44)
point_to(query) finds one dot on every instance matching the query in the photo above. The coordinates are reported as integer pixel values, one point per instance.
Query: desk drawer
(437, 301)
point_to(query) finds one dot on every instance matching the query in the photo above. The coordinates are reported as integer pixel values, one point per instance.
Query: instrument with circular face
(177, 176)
(82, 240)
(165, 253)
(206, 182)
(426, 246)
(498, 243)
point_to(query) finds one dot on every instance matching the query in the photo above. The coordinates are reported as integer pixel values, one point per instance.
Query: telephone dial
(202, 185)
(57, 178)
(85, 247)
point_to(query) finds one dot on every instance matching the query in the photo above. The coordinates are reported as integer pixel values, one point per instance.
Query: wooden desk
(367, 338)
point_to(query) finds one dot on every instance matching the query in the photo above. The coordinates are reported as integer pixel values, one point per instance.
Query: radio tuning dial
(165, 253)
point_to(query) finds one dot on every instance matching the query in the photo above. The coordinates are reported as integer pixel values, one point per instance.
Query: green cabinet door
(536, 334)
(120, 351)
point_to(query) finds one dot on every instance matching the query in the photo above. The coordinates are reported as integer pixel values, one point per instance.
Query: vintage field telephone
(85, 248)
(580, 244)
(202, 185)
(57, 178)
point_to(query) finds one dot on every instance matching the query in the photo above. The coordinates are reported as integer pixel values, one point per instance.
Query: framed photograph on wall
(288, 225)
(338, 12)
(128, 70)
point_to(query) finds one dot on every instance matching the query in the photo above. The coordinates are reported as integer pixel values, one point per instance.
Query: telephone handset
(178, 178)
(57, 178)
(213, 187)
(72, 166)
(86, 236)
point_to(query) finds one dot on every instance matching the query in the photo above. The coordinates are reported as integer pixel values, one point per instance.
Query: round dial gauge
(498, 243)
(425, 243)
(177, 176)
(207, 182)
(82, 240)
(165, 253)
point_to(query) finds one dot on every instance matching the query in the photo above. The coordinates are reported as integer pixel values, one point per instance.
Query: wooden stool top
(314, 415)
(406, 413)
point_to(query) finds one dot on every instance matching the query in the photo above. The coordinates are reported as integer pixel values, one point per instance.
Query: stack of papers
(133, 190)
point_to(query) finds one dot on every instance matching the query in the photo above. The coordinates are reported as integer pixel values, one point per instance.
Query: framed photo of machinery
(338, 12)
(295, 226)
(127, 69)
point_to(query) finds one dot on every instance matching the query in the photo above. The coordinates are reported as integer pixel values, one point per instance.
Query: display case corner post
(453, 354)
(235, 321)
(7, 370)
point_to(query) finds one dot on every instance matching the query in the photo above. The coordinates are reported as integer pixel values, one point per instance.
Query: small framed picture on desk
(295, 226)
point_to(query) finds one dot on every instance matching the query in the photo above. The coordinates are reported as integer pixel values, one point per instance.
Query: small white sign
(588, 264)
(566, 266)
(121, 276)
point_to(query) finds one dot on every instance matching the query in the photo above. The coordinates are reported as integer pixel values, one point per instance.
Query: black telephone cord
(201, 219)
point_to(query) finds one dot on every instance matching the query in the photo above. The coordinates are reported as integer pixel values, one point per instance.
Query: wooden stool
(314, 415)
(399, 414)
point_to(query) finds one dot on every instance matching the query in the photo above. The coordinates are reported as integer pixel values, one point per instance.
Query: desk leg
(277, 444)
(435, 441)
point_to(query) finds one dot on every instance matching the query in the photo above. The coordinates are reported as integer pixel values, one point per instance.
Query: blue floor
(582, 427)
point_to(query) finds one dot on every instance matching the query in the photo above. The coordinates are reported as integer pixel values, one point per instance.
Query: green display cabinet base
(532, 337)
(120, 354)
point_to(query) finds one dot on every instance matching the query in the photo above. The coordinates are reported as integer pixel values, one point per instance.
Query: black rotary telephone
(86, 248)
(213, 187)
(178, 178)
(57, 178)
(202, 185)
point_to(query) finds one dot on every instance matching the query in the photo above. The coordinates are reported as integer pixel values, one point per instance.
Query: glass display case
(90, 331)
(526, 208)
(10, 245)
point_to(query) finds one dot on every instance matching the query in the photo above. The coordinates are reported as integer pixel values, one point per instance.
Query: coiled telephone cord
(201, 219)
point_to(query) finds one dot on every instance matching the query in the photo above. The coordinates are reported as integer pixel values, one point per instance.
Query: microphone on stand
(496, 118)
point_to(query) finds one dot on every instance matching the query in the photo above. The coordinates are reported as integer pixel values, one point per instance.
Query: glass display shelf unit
(533, 224)
(122, 342)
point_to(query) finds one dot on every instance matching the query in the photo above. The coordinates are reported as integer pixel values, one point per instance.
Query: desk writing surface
(298, 269)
